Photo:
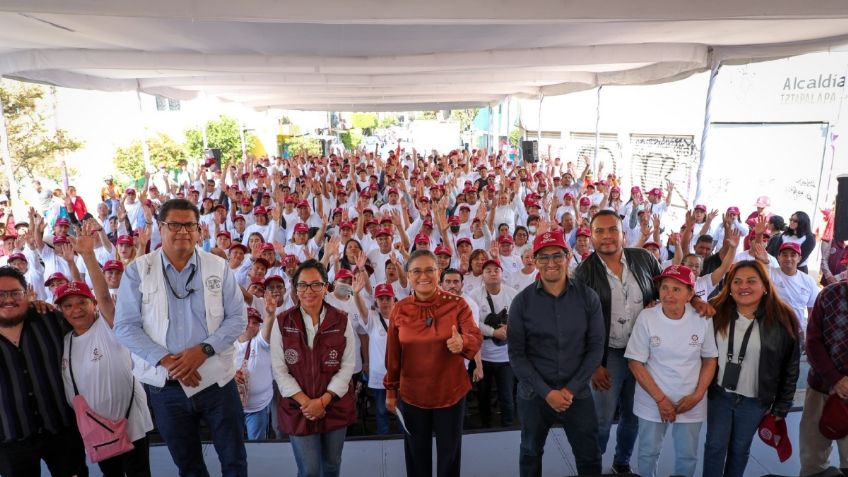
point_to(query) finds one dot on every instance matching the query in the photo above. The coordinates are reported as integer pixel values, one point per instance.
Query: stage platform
(484, 454)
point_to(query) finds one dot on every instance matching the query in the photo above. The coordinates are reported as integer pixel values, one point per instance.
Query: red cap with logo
(60, 239)
(585, 201)
(422, 239)
(266, 247)
(773, 432)
(273, 278)
(240, 245)
(72, 288)
(553, 238)
(17, 256)
(656, 191)
(113, 265)
(733, 210)
(384, 289)
(505, 239)
(454, 220)
(463, 240)
(492, 261)
(253, 314)
(301, 228)
(260, 210)
(56, 276)
(583, 232)
(382, 232)
(343, 273)
(834, 418)
(223, 233)
(680, 273)
(790, 246)
(442, 250)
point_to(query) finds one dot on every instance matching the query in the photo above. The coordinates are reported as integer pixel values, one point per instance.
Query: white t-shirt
(103, 373)
(799, 291)
(376, 349)
(671, 351)
(704, 286)
(519, 280)
(748, 384)
(490, 351)
(261, 381)
(747, 256)
(349, 307)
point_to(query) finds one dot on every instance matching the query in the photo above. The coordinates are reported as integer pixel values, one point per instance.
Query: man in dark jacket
(623, 280)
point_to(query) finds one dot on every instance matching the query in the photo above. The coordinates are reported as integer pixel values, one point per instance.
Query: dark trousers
(63, 453)
(579, 423)
(500, 373)
(178, 418)
(421, 424)
(135, 463)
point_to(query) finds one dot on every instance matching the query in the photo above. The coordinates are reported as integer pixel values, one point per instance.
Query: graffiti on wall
(659, 159)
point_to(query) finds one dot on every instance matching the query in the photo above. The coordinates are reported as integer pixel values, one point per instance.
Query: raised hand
(760, 225)
(732, 237)
(83, 244)
(359, 281)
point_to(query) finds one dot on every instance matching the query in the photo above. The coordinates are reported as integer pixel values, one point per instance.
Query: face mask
(531, 229)
(454, 228)
(343, 289)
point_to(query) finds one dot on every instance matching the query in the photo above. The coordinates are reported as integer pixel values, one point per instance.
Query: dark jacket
(313, 369)
(780, 354)
(641, 263)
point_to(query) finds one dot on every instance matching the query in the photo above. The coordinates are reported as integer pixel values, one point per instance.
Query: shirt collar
(569, 284)
(192, 262)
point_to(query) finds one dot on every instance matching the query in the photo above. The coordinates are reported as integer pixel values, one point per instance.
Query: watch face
(208, 349)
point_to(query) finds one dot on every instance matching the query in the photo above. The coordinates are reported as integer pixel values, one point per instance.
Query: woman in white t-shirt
(376, 324)
(672, 355)
(253, 364)
(98, 367)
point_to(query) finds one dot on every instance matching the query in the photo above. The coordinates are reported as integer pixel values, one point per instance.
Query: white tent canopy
(377, 55)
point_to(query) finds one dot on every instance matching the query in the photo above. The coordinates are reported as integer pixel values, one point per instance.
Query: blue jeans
(579, 423)
(732, 422)
(619, 396)
(319, 455)
(685, 435)
(382, 413)
(256, 423)
(178, 419)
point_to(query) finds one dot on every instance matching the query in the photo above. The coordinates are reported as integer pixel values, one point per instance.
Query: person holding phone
(758, 353)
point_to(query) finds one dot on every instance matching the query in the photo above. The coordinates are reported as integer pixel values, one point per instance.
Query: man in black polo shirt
(35, 420)
(556, 341)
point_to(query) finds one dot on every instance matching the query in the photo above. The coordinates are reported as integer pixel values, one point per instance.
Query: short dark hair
(416, 255)
(307, 265)
(705, 238)
(12, 272)
(604, 213)
(177, 204)
(449, 271)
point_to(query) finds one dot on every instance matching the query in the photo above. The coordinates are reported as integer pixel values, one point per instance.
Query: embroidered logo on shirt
(96, 355)
(291, 356)
(695, 341)
(655, 341)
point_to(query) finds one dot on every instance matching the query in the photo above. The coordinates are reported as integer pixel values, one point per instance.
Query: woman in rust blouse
(431, 332)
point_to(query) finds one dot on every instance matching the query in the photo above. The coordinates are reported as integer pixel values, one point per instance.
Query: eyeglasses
(314, 286)
(177, 226)
(14, 294)
(543, 259)
(417, 272)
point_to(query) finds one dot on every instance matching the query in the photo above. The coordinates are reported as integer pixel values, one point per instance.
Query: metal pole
(491, 135)
(145, 150)
(539, 128)
(7, 158)
(716, 66)
(241, 137)
(597, 135)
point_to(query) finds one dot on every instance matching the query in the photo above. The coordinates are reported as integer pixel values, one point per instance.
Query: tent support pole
(539, 124)
(7, 159)
(241, 137)
(716, 66)
(597, 134)
(491, 135)
(145, 149)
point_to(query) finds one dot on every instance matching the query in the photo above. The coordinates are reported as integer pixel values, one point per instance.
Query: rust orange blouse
(419, 365)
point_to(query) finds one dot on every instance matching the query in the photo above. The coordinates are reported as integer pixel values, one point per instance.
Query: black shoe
(621, 469)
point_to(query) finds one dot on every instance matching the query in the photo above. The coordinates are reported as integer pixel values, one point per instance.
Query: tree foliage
(33, 146)
(388, 121)
(351, 138)
(364, 120)
(298, 144)
(129, 160)
(464, 117)
(222, 134)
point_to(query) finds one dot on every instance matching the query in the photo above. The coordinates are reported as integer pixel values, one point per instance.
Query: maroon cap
(651, 243)
(343, 273)
(56, 276)
(568, 195)
(505, 239)
(834, 418)
(773, 432)
(345, 224)
(733, 210)
(260, 210)
(259, 282)
(262, 261)
(656, 191)
(635, 189)
(223, 233)
(63, 221)
(125, 240)
(454, 220)
(289, 200)
(553, 238)
(790, 246)
(583, 232)
(701, 207)
(301, 228)
(385, 220)
(442, 250)
(463, 240)
(240, 245)
(113, 265)
(266, 247)
(680, 273)
(60, 239)
(303, 203)
(384, 289)
(383, 231)
(273, 278)
(72, 288)
(17, 256)
(492, 261)
(585, 201)
(130, 191)
(253, 314)
(422, 239)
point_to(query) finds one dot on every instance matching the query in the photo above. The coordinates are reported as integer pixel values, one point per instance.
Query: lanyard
(745, 339)
(188, 282)
(383, 322)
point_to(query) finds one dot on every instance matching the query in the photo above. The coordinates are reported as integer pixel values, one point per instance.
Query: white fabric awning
(402, 55)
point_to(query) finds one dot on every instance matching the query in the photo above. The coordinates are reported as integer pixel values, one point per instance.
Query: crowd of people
(291, 297)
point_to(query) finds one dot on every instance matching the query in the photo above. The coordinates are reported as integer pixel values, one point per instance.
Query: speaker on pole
(840, 214)
(530, 151)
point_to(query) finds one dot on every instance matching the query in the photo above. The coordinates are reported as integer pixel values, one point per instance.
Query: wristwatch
(207, 349)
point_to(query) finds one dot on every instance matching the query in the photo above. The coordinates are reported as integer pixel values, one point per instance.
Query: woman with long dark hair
(758, 352)
(799, 231)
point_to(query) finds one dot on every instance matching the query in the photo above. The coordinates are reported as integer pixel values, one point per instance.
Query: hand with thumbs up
(455, 341)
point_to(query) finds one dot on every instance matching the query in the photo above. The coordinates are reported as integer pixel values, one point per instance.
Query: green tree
(364, 120)
(388, 121)
(351, 138)
(465, 117)
(515, 137)
(297, 144)
(33, 146)
(129, 160)
(222, 134)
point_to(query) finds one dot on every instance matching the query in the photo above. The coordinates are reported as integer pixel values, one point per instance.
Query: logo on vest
(213, 284)
(332, 358)
(291, 356)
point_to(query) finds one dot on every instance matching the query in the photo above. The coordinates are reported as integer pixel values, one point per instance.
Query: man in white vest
(180, 311)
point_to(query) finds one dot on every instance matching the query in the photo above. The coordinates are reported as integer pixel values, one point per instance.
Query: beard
(13, 321)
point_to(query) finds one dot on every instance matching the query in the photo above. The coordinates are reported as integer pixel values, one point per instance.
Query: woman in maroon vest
(432, 331)
(312, 355)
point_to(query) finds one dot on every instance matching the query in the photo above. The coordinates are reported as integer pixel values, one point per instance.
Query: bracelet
(661, 400)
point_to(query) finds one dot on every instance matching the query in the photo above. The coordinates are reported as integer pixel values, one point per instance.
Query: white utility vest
(218, 369)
